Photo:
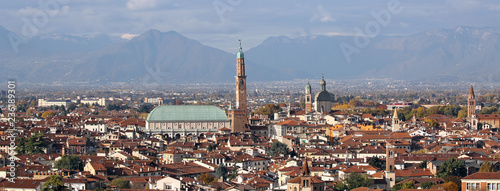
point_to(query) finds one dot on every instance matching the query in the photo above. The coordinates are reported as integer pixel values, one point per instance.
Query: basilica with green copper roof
(181, 120)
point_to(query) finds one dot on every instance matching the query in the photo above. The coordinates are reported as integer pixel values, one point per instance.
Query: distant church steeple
(308, 98)
(471, 103)
(395, 121)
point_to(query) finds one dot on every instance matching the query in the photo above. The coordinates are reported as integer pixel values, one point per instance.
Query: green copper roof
(187, 113)
(240, 53)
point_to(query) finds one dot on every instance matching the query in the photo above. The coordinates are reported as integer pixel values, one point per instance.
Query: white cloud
(322, 15)
(128, 36)
(141, 4)
(27, 11)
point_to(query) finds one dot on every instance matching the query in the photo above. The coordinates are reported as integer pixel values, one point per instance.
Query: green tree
(233, 174)
(210, 147)
(278, 148)
(54, 184)
(432, 122)
(452, 167)
(221, 171)
(487, 167)
(356, 180)
(406, 185)
(145, 108)
(120, 183)
(70, 162)
(462, 113)
(31, 145)
(71, 107)
(427, 185)
(423, 164)
(376, 162)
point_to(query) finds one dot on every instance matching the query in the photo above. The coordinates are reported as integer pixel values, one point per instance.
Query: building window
(494, 186)
(468, 186)
(489, 186)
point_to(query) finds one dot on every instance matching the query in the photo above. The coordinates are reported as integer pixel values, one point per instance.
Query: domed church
(322, 100)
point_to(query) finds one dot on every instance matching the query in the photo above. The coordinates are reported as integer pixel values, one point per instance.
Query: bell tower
(308, 98)
(391, 155)
(238, 115)
(471, 103)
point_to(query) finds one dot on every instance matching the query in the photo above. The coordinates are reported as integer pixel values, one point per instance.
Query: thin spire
(305, 168)
(241, 49)
(471, 91)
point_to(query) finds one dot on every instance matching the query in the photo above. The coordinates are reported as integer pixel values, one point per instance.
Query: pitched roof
(483, 175)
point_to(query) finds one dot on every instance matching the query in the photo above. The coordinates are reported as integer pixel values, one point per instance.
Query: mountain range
(170, 58)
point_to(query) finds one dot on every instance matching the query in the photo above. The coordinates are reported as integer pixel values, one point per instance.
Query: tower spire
(240, 52)
(323, 83)
(305, 168)
(471, 92)
(471, 103)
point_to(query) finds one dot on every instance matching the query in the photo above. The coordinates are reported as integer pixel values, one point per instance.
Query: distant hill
(465, 53)
(170, 58)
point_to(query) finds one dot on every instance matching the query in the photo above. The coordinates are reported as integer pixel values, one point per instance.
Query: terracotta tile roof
(366, 189)
(353, 170)
(20, 183)
(291, 123)
(97, 166)
(483, 175)
(77, 142)
(313, 179)
(413, 173)
(179, 169)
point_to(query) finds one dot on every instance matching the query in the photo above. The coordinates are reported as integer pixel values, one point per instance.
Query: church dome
(323, 96)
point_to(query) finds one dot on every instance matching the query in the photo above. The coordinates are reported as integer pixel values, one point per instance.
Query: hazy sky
(219, 23)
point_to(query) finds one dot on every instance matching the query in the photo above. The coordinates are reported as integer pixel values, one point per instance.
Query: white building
(50, 103)
(96, 126)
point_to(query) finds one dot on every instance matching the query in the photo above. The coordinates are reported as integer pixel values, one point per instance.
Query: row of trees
(421, 112)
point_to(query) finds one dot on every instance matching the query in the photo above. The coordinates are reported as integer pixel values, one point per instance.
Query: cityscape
(92, 102)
